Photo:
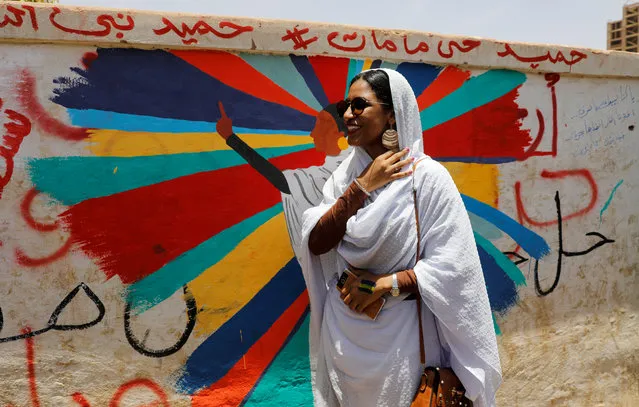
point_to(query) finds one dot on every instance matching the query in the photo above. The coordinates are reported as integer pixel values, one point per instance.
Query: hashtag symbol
(298, 40)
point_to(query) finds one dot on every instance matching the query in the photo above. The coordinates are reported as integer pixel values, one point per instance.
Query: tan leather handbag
(439, 386)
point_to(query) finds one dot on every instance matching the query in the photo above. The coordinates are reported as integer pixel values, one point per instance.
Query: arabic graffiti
(16, 129)
(467, 46)
(18, 14)
(552, 79)
(387, 44)
(575, 57)
(580, 173)
(22, 258)
(191, 313)
(603, 240)
(107, 22)
(421, 47)
(201, 28)
(346, 38)
(52, 324)
(297, 37)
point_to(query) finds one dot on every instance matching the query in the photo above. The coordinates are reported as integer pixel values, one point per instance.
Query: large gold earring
(390, 139)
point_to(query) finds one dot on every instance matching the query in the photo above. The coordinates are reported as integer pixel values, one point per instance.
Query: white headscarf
(449, 275)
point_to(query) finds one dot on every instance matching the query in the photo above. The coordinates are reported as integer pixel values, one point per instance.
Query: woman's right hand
(384, 169)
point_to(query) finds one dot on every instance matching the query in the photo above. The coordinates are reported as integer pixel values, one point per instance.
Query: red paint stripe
(448, 81)
(28, 97)
(33, 390)
(141, 383)
(134, 233)
(81, 400)
(492, 130)
(332, 74)
(233, 71)
(25, 209)
(233, 388)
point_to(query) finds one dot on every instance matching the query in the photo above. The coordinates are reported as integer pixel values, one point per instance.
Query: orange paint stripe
(446, 83)
(238, 382)
(233, 71)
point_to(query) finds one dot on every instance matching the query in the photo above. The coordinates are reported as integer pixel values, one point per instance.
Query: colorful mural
(149, 213)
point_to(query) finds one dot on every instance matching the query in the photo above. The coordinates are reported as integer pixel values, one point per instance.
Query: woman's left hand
(356, 299)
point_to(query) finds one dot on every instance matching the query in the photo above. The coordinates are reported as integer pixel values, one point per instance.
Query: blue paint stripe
(74, 179)
(496, 326)
(354, 68)
(282, 72)
(502, 292)
(376, 64)
(474, 93)
(484, 228)
(219, 353)
(419, 75)
(609, 200)
(305, 69)
(159, 84)
(162, 284)
(531, 242)
(502, 261)
(99, 119)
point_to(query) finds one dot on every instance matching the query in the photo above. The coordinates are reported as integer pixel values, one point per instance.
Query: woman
(366, 222)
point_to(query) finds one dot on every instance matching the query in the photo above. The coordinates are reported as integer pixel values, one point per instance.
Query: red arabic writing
(15, 131)
(575, 57)
(467, 46)
(388, 44)
(107, 22)
(18, 15)
(422, 47)
(201, 28)
(297, 37)
(346, 38)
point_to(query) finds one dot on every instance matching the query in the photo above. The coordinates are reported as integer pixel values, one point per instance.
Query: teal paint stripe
(162, 284)
(607, 204)
(497, 329)
(389, 65)
(100, 119)
(287, 381)
(354, 67)
(484, 228)
(502, 261)
(283, 72)
(474, 93)
(74, 179)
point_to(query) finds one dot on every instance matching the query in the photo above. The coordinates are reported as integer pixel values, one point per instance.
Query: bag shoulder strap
(422, 352)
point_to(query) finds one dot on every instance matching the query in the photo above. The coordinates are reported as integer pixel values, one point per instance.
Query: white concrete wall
(114, 185)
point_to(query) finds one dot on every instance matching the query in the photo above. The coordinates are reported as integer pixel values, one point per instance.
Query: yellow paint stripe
(479, 181)
(367, 64)
(222, 290)
(117, 143)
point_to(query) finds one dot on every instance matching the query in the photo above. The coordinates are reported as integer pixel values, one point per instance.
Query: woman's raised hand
(385, 169)
(224, 125)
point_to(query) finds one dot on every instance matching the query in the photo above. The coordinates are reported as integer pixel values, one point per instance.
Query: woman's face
(365, 129)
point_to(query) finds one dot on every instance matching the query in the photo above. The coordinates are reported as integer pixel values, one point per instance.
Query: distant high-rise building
(623, 35)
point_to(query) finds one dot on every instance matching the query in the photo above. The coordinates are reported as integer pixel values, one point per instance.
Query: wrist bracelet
(361, 187)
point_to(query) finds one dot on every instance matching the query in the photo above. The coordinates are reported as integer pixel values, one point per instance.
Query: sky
(577, 23)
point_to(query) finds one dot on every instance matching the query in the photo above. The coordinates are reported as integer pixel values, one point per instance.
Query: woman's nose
(348, 114)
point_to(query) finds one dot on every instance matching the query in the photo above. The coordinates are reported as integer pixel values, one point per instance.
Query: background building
(623, 35)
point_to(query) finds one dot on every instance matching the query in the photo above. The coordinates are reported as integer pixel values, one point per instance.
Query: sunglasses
(357, 105)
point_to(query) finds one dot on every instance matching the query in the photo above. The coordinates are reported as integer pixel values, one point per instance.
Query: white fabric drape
(359, 362)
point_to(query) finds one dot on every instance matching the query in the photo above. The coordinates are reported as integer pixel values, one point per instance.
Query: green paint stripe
(74, 179)
(502, 260)
(607, 204)
(287, 381)
(474, 93)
